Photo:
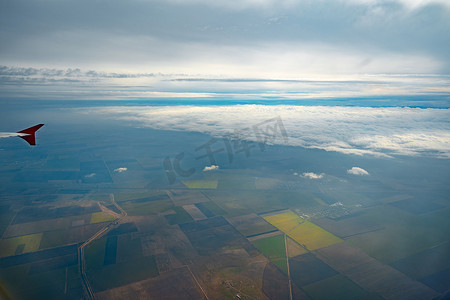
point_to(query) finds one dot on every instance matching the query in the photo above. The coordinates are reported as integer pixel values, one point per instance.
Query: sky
(217, 49)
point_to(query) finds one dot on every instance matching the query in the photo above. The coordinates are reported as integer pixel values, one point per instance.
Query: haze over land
(209, 149)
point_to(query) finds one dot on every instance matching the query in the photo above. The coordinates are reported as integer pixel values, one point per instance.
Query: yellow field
(284, 221)
(310, 236)
(99, 217)
(201, 184)
(8, 246)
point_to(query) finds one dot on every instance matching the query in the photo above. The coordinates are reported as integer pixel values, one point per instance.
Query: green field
(100, 217)
(180, 216)
(115, 275)
(273, 248)
(45, 225)
(147, 208)
(131, 268)
(94, 254)
(53, 238)
(128, 247)
(22, 285)
(125, 196)
(214, 208)
(243, 202)
(20, 244)
(5, 220)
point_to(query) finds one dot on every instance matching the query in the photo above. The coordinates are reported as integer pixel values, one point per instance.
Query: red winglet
(30, 137)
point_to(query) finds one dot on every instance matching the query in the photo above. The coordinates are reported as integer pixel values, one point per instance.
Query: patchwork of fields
(252, 230)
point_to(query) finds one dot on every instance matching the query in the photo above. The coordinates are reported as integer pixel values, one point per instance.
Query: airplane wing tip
(30, 134)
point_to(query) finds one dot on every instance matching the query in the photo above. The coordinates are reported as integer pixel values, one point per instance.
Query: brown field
(171, 285)
(195, 213)
(183, 197)
(225, 274)
(251, 224)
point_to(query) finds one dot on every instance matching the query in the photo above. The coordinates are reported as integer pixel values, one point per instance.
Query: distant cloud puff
(90, 175)
(357, 171)
(120, 170)
(312, 175)
(212, 168)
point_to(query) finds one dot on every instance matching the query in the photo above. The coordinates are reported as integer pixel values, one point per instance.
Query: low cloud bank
(382, 132)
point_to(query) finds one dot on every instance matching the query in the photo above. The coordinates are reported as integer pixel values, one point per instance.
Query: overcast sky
(285, 49)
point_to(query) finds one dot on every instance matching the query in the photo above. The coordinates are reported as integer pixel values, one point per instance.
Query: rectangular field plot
(338, 287)
(105, 274)
(349, 226)
(25, 285)
(33, 257)
(20, 244)
(210, 209)
(285, 221)
(180, 216)
(306, 269)
(274, 249)
(417, 206)
(404, 234)
(251, 225)
(294, 249)
(180, 197)
(46, 225)
(175, 284)
(211, 235)
(110, 250)
(439, 281)
(426, 262)
(100, 217)
(147, 208)
(114, 275)
(372, 275)
(194, 211)
(307, 234)
(33, 214)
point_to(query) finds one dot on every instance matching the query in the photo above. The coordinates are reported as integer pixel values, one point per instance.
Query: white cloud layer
(357, 171)
(351, 130)
(120, 170)
(211, 168)
(312, 175)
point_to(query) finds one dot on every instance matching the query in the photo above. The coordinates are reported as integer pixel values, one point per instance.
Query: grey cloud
(47, 73)
(78, 30)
